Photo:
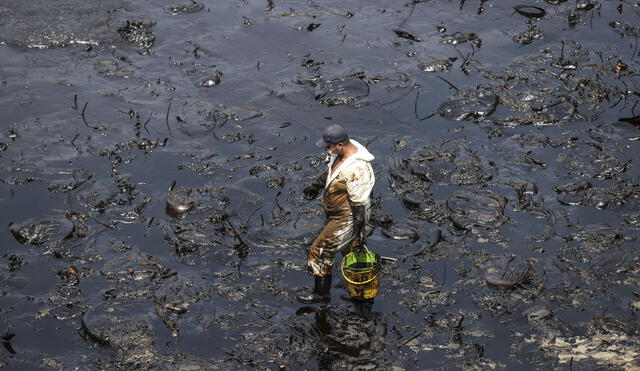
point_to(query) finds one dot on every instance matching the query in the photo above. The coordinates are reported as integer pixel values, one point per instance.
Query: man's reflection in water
(348, 337)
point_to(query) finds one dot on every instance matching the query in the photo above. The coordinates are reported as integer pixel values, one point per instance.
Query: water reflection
(346, 336)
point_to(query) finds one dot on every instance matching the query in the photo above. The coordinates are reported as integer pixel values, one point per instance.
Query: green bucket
(360, 271)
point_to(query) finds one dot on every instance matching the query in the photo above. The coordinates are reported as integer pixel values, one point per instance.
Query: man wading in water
(347, 181)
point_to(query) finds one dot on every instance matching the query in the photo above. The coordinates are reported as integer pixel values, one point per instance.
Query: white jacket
(356, 172)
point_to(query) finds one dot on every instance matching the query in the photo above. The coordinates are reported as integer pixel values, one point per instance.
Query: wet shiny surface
(506, 140)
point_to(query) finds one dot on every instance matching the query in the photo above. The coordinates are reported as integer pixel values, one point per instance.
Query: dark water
(513, 131)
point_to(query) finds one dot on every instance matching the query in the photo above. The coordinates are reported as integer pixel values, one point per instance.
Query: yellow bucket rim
(368, 253)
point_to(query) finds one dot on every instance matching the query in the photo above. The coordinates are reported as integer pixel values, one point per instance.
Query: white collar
(332, 175)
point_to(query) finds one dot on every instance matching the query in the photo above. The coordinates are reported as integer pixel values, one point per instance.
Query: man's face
(334, 149)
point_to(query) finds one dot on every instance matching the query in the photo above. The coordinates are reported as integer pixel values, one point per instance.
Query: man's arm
(359, 188)
(313, 190)
(359, 222)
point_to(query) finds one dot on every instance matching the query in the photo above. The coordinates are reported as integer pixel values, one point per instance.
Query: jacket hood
(363, 153)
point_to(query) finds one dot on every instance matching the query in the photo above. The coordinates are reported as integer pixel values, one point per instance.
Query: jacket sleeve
(360, 181)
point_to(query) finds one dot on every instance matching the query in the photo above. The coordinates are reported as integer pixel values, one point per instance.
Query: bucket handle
(355, 283)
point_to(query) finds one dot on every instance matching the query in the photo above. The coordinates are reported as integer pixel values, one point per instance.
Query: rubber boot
(325, 287)
(321, 291)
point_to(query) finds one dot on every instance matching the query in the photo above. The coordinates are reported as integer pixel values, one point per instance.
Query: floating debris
(72, 271)
(179, 202)
(435, 64)
(407, 35)
(121, 328)
(194, 7)
(462, 37)
(508, 279)
(40, 231)
(530, 11)
(14, 262)
(134, 275)
(527, 37)
(635, 121)
(620, 68)
(209, 81)
(607, 350)
(476, 210)
(400, 233)
(241, 113)
(471, 173)
(6, 342)
(342, 91)
(499, 283)
(173, 299)
(139, 32)
(469, 105)
(573, 193)
(64, 24)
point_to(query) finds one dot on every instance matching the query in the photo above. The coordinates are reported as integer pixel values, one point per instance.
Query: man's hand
(359, 220)
(311, 192)
(314, 189)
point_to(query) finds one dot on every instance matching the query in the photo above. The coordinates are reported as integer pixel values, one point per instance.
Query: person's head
(338, 148)
(334, 139)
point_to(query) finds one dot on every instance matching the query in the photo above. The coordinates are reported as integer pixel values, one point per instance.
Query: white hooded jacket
(356, 172)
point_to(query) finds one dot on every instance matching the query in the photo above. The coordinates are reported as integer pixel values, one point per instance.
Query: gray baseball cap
(332, 134)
